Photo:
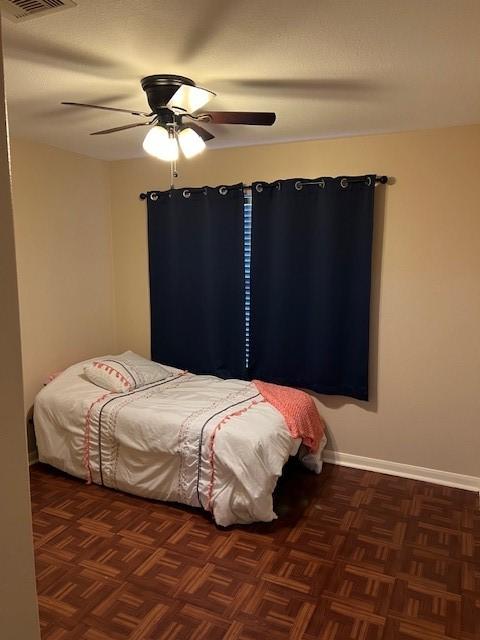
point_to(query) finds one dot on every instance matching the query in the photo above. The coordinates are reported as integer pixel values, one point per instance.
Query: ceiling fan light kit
(190, 142)
(161, 144)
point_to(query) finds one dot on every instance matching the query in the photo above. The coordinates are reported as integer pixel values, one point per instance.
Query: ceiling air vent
(19, 10)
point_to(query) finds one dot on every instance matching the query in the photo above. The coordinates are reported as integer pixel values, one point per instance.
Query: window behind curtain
(275, 281)
(247, 256)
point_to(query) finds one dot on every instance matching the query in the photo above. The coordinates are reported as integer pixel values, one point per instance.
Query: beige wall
(18, 607)
(64, 254)
(425, 357)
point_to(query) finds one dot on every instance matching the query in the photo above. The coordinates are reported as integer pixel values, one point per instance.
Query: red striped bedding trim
(110, 369)
(222, 422)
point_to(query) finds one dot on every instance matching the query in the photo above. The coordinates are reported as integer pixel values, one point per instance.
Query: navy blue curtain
(195, 239)
(310, 283)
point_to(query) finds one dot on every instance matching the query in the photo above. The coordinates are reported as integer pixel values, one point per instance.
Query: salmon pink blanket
(298, 409)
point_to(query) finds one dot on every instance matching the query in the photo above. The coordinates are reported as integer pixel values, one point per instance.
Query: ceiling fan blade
(97, 106)
(125, 126)
(190, 98)
(203, 133)
(264, 118)
(312, 88)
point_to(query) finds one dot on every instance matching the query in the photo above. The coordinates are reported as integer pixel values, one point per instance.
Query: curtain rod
(379, 179)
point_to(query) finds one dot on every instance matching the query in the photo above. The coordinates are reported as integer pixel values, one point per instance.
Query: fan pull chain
(173, 172)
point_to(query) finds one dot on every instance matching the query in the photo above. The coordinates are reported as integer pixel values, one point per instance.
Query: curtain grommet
(223, 191)
(154, 196)
(259, 188)
(369, 181)
(186, 193)
(298, 185)
(278, 186)
(204, 191)
(321, 183)
(344, 183)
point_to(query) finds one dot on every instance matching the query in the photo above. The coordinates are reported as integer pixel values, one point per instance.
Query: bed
(193, 439)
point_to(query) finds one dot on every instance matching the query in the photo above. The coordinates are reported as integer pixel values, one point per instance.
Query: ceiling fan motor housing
(161, 88)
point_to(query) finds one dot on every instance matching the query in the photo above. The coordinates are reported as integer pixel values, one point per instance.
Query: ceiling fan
(174, 119)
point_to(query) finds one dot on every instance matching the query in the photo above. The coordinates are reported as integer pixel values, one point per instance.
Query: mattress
(194, 439)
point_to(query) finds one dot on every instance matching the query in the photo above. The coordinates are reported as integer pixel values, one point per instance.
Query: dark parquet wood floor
(354, 556)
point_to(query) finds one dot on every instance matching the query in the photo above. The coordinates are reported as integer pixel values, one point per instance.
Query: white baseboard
(447, 478)
(32, 457)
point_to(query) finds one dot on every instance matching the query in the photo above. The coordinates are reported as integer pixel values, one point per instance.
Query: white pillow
(125, 372)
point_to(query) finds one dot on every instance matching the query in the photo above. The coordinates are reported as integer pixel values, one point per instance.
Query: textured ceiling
(326, 67)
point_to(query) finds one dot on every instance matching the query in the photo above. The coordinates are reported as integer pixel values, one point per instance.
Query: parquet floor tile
(361, 588)
(354, 555)
(70, 597)
(435, 610)
(373, 554)
(301, 572)
(337, 619)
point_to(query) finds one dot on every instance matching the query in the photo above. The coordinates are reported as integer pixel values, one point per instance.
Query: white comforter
(198, 440)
